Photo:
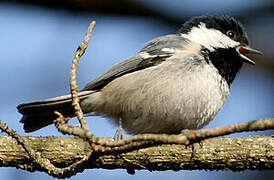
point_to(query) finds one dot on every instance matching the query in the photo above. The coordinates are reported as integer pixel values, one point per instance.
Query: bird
(176, 82)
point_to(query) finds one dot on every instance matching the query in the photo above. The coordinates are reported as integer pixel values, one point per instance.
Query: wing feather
(154, 52)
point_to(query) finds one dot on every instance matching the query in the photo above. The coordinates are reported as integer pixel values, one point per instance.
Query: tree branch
(235, 154)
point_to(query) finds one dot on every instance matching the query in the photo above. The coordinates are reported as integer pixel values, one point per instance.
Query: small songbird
(176, 82)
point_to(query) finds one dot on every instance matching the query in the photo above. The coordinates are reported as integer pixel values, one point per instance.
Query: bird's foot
(120, 133)
(194, 145)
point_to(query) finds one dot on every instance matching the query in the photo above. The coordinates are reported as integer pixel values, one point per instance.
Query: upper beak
(244, 49)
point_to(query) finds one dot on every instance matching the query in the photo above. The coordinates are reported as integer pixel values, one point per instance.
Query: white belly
(166, 98)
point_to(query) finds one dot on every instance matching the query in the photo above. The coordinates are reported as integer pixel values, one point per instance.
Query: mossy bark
(235, 154)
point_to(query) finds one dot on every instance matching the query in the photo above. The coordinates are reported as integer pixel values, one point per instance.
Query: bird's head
(219, 33)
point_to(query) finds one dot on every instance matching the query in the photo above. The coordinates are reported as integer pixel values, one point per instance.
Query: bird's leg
(193, 146)
(120, 133)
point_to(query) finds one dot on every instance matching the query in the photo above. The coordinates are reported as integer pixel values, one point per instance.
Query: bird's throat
(226, 61)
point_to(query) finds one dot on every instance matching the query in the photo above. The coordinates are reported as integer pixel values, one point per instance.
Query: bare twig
(192, 136)
(61, 121)
(45, 164)
(73, 83)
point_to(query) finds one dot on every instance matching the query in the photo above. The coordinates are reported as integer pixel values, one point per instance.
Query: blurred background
(38, 39)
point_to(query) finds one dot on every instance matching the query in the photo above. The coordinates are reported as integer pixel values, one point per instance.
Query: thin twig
(192, 136)
(45, 164)
(102, 145)
(73, 83)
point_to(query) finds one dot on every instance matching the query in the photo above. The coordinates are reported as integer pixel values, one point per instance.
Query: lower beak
(243, 49)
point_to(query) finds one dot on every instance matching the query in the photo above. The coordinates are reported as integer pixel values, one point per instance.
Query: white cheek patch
(210, 38)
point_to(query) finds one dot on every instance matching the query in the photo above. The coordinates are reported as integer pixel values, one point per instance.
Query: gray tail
(39, 114)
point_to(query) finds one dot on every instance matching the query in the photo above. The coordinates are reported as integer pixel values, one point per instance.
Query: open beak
(244, 49)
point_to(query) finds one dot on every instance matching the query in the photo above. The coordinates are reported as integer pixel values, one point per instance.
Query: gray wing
(154, 52)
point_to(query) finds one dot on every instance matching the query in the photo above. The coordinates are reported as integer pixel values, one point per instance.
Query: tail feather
(39, 114)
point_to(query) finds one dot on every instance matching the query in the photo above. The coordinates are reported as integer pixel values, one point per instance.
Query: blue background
(37, 45)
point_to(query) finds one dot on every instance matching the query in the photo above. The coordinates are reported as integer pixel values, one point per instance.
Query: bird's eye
(230, 34)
